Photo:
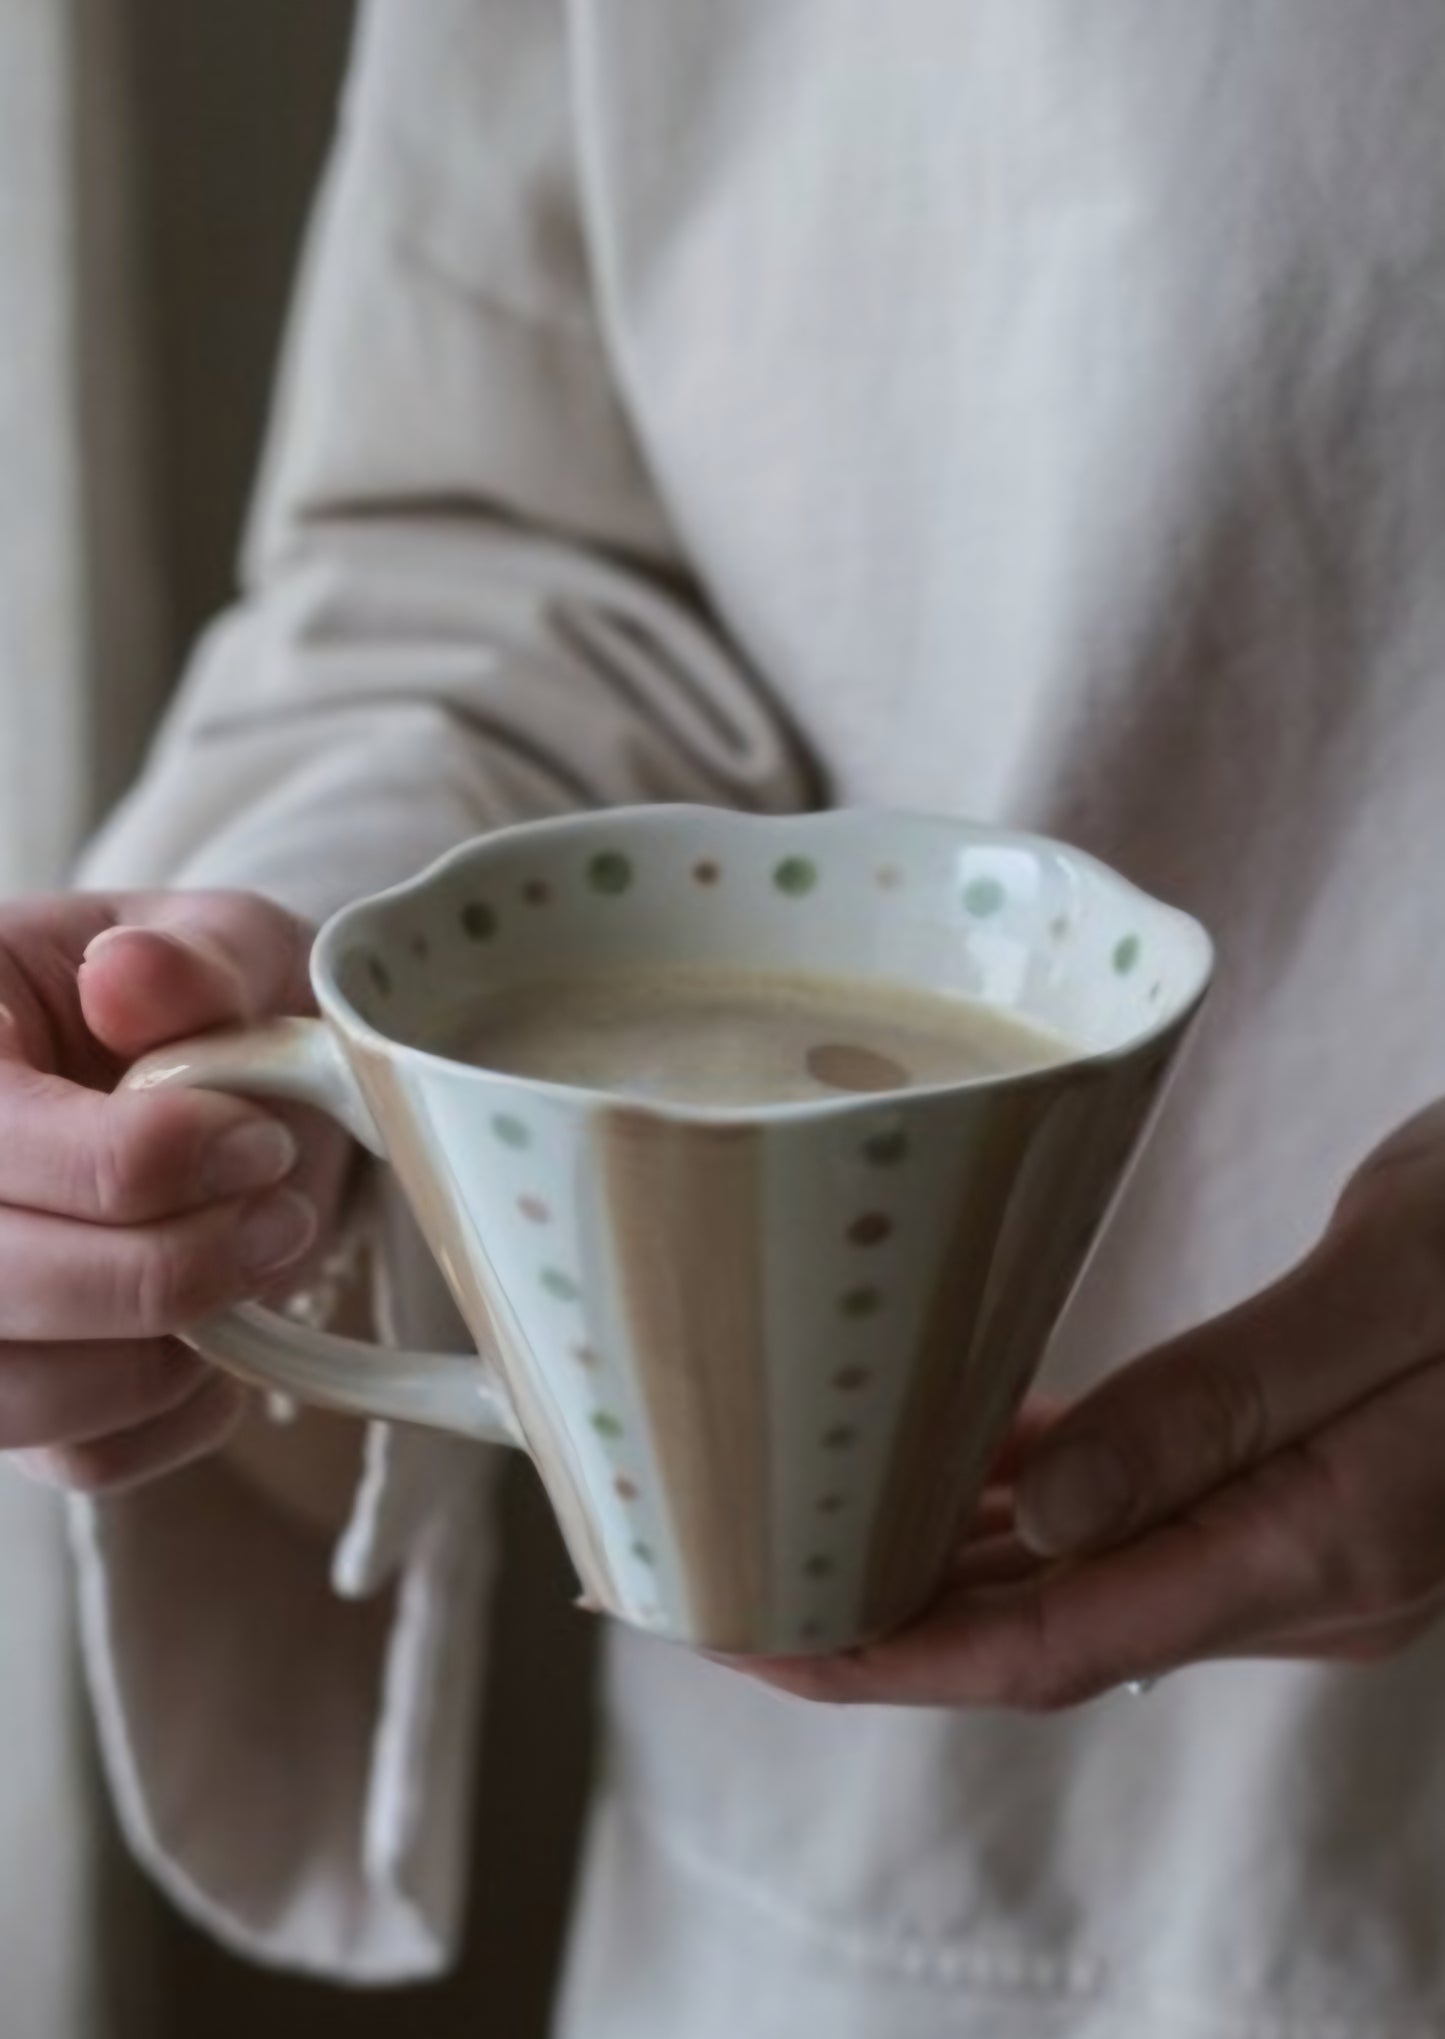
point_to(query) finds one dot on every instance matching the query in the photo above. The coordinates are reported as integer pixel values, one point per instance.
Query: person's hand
(125, 1217)
(1271, 1484)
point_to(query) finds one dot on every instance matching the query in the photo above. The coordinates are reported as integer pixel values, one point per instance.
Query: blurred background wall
(156, 158)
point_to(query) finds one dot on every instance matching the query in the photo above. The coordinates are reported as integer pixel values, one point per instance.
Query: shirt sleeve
(461, 605)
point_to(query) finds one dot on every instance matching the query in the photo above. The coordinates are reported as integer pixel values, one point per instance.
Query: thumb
(178, 963)
(1364, 1308)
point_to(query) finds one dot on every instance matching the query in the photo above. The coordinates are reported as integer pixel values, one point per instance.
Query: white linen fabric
(1024, 409)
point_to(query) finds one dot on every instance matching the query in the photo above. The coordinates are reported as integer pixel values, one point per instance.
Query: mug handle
(299, 1059)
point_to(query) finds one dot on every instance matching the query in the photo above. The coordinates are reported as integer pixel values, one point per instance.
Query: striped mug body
(762, 1357)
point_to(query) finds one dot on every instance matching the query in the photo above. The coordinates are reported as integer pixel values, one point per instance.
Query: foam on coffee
(696, 1034)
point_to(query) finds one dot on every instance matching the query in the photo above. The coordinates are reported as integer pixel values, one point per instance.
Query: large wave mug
(761, 1357)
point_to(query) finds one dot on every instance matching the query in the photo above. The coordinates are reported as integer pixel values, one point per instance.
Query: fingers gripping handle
(299, 1059)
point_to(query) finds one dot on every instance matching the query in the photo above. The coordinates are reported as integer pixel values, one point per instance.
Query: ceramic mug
(761, 1357)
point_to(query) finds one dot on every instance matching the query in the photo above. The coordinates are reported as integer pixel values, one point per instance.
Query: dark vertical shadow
(233, 110)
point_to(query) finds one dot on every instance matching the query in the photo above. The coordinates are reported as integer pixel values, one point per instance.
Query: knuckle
(1052, 1677)
(110, 1158)
(1226, 1421)
(1199, 1423)
(167, 1283)
(143, 1158)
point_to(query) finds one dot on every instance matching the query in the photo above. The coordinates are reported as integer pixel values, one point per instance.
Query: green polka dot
(560, 1285)
(479, 920)
(860, 1303)
(819, 1567)
(796, 876)
(609, 873)
(644, 1553)
(510, 1131)
(605, 1423)
(983, 897)
(380, 975)
(1126, 954)
(886, 1149)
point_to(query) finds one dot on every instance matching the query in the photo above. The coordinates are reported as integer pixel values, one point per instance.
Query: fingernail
(1077, 1494)
(109, 936)
(252, 1156)
(195, 947)
(103, 940)
(275, 1233)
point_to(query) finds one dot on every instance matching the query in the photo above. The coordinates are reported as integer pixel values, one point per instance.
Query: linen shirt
(1028, 409)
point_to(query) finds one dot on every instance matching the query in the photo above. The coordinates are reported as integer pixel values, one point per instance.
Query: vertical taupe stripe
(686, 1213)
(434, 1200)
(925, 1488)
(1060, 1196)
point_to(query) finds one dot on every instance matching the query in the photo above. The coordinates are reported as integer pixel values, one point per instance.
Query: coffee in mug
(687, 1033)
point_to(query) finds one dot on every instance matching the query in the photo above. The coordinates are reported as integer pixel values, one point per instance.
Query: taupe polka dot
(846, 1065)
